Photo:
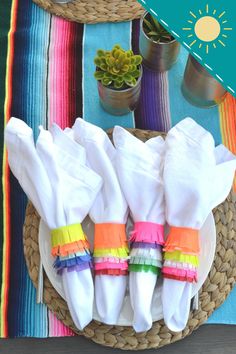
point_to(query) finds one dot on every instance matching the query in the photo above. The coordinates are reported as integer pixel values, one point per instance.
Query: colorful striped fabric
(46, 75)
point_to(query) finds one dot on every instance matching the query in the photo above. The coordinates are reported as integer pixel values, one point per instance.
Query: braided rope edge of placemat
(216, 288)
(94, 11)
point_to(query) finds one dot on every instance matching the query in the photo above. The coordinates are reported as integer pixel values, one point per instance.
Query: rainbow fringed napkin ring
(145, 244)
(181, 254)
(71, 249)
(110, 249)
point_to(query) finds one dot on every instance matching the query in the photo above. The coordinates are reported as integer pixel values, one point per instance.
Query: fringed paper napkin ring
(146, 253)
(71, 249)
(183, 239)
(110, 242)
(68, 239)
(148, 232)
(181, 254)
(110, 235)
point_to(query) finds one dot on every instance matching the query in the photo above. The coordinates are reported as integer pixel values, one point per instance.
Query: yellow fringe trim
(177, 256)
(122, 252)
(67, 234)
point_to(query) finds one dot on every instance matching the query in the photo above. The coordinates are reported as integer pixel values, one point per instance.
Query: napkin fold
(197, 177)
(139, 167)
(109, 213)
(62, 189)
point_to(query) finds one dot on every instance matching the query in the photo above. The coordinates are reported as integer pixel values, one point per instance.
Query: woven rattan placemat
(217, 286)
(94, 11)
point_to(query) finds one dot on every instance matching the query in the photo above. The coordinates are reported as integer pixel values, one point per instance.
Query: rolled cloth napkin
(109, 213)
(139, 167)
(197, 177)
(62, 190)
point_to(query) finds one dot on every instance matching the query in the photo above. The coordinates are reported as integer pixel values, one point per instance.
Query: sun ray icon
(207, 28)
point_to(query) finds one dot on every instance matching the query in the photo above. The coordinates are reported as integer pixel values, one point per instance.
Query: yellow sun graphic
(207, 28)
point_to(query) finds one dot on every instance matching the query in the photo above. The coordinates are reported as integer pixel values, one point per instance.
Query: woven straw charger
(217, 286)
(94, 11)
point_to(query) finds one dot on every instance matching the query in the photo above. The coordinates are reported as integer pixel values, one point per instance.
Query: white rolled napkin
(139, 167)
(62, 190)
(197, 177)
(109, 213)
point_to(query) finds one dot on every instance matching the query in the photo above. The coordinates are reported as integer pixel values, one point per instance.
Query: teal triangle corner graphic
(207, 29)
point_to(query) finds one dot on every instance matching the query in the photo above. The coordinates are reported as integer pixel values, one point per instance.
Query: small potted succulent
(157, 46)
(199, 87)
(118, 73)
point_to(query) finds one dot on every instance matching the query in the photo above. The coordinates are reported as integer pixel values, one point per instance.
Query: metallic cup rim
(149, 39)
(199, 67)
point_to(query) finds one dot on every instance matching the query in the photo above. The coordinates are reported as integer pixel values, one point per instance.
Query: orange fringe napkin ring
(110, 249)
(71, 248)
(181, 254)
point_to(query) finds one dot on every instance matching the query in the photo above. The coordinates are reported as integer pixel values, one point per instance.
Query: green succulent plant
(155, 31)
(117, 68)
